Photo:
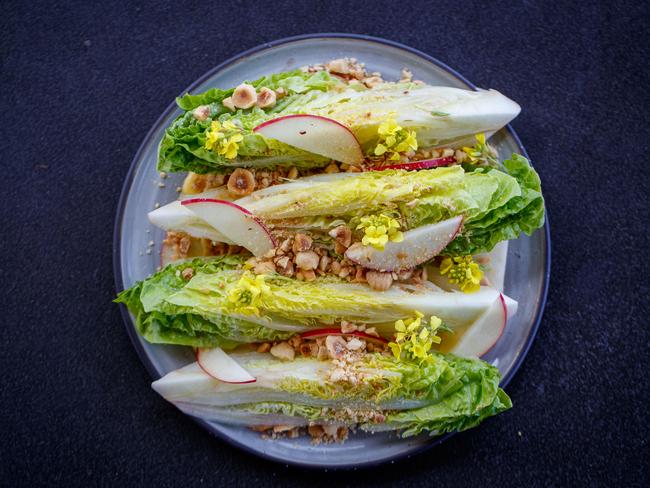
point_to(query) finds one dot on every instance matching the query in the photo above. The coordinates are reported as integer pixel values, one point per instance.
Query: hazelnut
(336, 267)
(324, 261)
(266, 98)
(460, 155)
(342, 235)
(201, 112)
(241, 182)
(447, 152)
(341, 66)
(264, 347)
(229, 104)
(347, 327)
(244, 96)
(293, 173)
(264, 267)
(284, 351)
(372, 331)
(379, 281)
(187, 273)
(307, 260)
(301, 242)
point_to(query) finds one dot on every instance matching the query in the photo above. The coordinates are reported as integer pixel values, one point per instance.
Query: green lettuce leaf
(162, 322)
(442, 394)
(416, 107)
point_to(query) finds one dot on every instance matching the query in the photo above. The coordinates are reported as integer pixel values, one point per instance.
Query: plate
(526, 278)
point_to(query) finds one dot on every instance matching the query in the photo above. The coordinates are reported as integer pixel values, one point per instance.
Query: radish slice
(222, 367)
(424, 164)
(316, 134)
(485, 332)
(419, 245)
(314, 334)
(235, 222)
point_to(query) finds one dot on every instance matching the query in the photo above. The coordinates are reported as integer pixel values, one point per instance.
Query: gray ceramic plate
(528, 259)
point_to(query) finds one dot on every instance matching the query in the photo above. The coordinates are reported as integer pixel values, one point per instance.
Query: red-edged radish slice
(235, 222)
(415, 165)
(175, 217)
(316, 134)
(222, 367)
(419, 245)
(314, 334)
(485, 332)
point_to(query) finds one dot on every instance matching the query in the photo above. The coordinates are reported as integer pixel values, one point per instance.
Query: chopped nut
(283, 351)
(265, 347)
(355, 344)
(266, 98)
(345, 272)
(342, 234)
(332, 168)
(244, 96)
(338, 66)
(339, 248)
(294, 341)
(308, 274)
(447, 152)
(354, 169)
(330, 429)
(301, 242)
(404, 274)
(372, 331)
(288, 269)
(337, 374)
(229, 103)
(322, 352)
(282, 428)
(282, 261)
(293, 173)
(280, 93)
(201, 112)
(460, 155)
(336, 267)
(360, 275)
(184, 245)
(316, 431)
(286, 245)
(241, 182)
(324, 261)
(347, 327)
(372, 81)
(378, 280)
(187, 273)
(406, 75)
(308, 349)
(307, 260)
(335, 345)
(264, 267)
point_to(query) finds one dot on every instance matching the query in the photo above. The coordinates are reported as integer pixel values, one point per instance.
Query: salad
(336, 253)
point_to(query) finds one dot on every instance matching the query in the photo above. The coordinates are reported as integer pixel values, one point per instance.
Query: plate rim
(117, 257)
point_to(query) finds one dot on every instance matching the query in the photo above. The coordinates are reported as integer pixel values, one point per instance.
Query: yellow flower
(393, 139)
(481, 153)
(223, 138)
(246, 295)
(379, 229)
(463, 271)
(414, 338)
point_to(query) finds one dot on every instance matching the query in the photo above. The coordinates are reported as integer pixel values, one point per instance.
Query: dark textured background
(80, 86)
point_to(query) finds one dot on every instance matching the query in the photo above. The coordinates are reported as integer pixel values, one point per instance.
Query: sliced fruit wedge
(419, 245)
(316, 134)
(485, 332)
(235, 222)
(222, 367)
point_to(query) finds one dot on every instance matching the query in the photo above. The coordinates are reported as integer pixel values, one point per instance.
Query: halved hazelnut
(244, 96)
(342, 235)
(307, 260)
(241, 182)
(283, 351)
(266, 98)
